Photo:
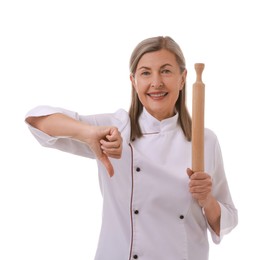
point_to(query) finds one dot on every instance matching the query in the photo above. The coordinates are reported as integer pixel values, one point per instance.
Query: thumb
(189, 172)
(106, 162)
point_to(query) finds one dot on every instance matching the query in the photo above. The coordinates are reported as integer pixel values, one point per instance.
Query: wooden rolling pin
(198, 121)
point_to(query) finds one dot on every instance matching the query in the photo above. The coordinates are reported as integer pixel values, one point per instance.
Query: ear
(183, 78)
(132, 79)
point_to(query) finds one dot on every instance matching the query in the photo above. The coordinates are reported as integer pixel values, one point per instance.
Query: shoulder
(210, 138)
(120, 119)
(122, 116)
(209, 134)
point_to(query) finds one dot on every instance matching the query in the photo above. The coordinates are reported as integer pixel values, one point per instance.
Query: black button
(181, 217)
(136, 211)
(135, 256)
(138, 169)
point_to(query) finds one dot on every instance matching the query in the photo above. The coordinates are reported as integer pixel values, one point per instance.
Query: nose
(156, 81)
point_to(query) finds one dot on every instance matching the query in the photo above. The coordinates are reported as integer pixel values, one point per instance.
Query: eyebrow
(147, 68)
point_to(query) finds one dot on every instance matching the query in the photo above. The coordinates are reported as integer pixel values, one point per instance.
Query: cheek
(135, 84)
(138, 92)
(136, 88)
(140, 87)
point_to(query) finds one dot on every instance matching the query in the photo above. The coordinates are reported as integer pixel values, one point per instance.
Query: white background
(75, 54)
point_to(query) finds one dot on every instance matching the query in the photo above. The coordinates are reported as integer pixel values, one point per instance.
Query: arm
(103, 141)
(200, 186)
(213, 194)
(212, 211)
(59, 124)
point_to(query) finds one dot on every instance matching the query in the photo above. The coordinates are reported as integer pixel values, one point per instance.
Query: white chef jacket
(148, 211)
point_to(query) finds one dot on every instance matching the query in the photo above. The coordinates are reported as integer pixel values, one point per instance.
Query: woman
(154, 207)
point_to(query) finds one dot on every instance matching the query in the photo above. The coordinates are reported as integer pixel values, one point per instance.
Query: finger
(200, 176)
(200, 189)
(112, 149)
(114, 138)
(110, 144)
(114, 135)
(189, 172)
(113, 154)
(106, 162)
(200, 182)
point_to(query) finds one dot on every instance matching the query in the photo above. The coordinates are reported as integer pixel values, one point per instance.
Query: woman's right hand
(105, 142)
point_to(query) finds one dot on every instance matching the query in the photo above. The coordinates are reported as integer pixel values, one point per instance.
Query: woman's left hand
(200, 186)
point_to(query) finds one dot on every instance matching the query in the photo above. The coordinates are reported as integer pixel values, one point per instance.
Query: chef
(154, 205)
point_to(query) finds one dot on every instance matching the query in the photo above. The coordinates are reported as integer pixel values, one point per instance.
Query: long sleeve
(62, 143)
(229, 214)
(119, 119)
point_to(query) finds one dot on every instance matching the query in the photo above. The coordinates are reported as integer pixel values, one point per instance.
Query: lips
(157, 95)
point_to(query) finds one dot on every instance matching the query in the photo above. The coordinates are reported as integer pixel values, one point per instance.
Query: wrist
(206, 202)
(83, 132)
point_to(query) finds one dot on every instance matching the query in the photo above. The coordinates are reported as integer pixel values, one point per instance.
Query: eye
(145, 73)
(165, 71)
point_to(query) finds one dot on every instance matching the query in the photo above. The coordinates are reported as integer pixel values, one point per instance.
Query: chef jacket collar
(151, 125)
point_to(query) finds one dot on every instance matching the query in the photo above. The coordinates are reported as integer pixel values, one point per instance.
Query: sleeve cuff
(228, 221)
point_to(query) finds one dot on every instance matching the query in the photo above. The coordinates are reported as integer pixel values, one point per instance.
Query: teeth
(157, 94)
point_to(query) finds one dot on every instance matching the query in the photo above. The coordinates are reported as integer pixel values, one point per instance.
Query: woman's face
(157, 81)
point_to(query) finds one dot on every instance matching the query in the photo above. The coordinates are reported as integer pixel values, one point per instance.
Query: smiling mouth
(157, 95)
